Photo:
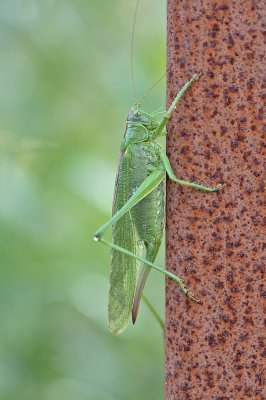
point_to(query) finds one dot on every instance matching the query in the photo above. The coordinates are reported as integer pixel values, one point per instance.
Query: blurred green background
(65, 91)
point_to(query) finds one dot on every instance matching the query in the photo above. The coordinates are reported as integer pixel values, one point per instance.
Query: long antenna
(131, 53)
(152, 87)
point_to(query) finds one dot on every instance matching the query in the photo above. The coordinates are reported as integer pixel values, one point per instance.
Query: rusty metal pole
(217, 350)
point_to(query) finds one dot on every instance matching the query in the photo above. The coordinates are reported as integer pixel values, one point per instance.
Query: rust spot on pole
(217, 350)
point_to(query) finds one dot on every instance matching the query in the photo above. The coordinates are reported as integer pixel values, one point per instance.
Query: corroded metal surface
(215, 241)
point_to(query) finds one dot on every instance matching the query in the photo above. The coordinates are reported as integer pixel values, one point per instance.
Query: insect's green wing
(150, 227)
(123, 274)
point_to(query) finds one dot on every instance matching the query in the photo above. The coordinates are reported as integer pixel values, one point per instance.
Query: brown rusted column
(215, 240)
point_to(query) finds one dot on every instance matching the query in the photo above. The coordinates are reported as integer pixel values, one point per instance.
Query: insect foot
(196, 76)
(193, 297)
(220, 186)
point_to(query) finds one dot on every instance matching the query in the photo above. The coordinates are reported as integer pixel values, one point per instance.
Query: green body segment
(140, 230)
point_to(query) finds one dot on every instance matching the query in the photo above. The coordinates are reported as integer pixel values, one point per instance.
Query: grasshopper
(138, 212)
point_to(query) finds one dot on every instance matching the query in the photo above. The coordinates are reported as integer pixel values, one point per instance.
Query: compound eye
(137, 114)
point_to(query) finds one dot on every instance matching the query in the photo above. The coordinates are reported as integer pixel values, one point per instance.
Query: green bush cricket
(138, 210)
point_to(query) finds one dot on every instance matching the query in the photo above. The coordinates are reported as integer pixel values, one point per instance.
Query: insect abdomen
(148, 214)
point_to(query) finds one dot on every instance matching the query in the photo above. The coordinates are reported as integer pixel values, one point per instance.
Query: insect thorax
(141, 127)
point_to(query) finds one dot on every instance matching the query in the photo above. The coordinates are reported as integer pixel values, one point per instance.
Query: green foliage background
(65, 91)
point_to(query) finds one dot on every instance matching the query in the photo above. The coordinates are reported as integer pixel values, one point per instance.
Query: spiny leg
(145, 188)
(173, 178)
(169, 274)
(168, 113)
